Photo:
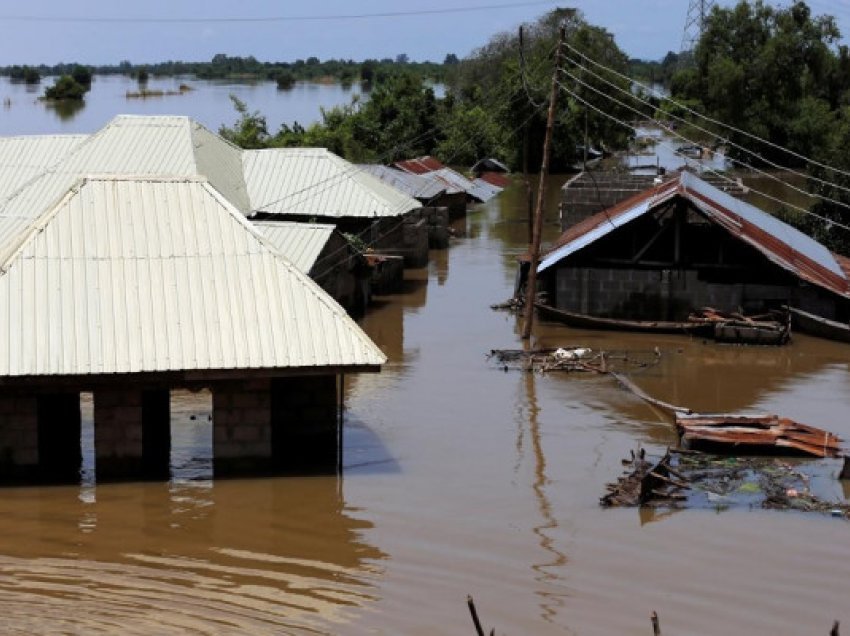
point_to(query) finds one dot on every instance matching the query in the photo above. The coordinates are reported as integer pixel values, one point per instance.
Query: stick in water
(472, 611)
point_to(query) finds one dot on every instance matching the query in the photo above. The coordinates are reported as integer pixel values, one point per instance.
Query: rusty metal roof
(420, 165)
(779, 242)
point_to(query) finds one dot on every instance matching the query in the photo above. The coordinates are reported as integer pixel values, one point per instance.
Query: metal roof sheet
(300, 243)
(23, 158)
(784, 245)
(150, 274)
(422, 186)
(421, 165)
(484, 190)
(129, 144)
(316, 182)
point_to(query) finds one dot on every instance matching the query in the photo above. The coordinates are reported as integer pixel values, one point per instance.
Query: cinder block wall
(118, 433)
(656, 294)
(242, 438)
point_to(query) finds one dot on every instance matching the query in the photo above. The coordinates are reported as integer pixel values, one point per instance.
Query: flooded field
(459, 478)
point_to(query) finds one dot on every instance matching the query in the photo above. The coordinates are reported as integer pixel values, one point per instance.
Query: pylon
(698, 11)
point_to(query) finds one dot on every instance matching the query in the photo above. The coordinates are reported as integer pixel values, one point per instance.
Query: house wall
(658, 294)
(260, 426)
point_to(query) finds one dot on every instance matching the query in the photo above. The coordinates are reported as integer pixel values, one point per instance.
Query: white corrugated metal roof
(300, 243)
(151, 274)
(25, 157)
(130, 144)
(417, 186)
(316, 182)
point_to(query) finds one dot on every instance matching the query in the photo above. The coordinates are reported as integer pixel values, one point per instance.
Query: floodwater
(209, 103)
(459, 478)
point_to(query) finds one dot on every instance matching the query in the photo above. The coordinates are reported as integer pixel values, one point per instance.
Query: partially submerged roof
(418, 186)
(784, 245)
(316, 182)
(420, 165)
(489, 164)
(130, 145)
(300, 243)
(158, 274)
(25, 157)
(480, 190)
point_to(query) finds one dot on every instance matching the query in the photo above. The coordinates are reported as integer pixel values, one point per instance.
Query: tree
(773, 73)
(65, 88)
(250, 130)
(82, 75)
(512, 94)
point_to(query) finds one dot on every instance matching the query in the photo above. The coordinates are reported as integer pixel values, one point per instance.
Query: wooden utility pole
(531, 281)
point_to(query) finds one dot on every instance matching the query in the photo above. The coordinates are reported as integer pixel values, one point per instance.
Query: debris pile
(572, 359)
(773, 328)
(692, 479)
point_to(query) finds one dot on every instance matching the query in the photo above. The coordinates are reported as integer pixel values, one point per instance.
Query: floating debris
(684, 478)
(572, 358)
(749, 434)
(773, 328)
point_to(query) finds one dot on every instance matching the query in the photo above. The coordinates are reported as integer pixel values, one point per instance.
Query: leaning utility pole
(531, 281)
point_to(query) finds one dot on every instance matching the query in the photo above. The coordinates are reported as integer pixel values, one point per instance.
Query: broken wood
(755, 434)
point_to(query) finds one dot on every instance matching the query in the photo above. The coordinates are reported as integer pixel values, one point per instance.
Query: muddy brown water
(459, 479)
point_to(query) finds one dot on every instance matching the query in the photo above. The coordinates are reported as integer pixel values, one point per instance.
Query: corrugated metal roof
(784, 245)
(23, 158)
(316, 182)
(150, 274)
(300, 243)
(130, 144)
(421, 165)
(417, 186)
(484, 190)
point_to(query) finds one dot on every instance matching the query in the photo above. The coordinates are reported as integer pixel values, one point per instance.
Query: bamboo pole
(531, 283)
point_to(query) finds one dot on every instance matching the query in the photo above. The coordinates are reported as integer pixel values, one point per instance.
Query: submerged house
(326, 256)
(129, 268)
(315, 185)
(478, 190)
(684, 244)
(131, 286)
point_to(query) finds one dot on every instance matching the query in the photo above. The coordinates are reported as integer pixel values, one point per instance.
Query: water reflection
(245, 556)
(547, 572)
(65, 109)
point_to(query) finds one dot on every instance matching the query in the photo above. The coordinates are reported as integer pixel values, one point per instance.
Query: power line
(724, 140)
(830, 222)
(279, 18)
(331, 181)
(689, 141)
(716, 122)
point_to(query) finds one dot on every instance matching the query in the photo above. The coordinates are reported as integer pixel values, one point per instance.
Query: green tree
(65, 89)
(82, 75)
(772, 72)
(250, 130)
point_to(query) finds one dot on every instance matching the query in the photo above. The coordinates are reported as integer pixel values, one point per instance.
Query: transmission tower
(698, 11)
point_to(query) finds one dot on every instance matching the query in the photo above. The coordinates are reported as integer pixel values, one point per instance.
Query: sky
(39, 31)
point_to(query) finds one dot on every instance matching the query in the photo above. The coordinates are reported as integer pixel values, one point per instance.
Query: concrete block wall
(18, 436)
(118, 433)
(242, 435)
(655, 294)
